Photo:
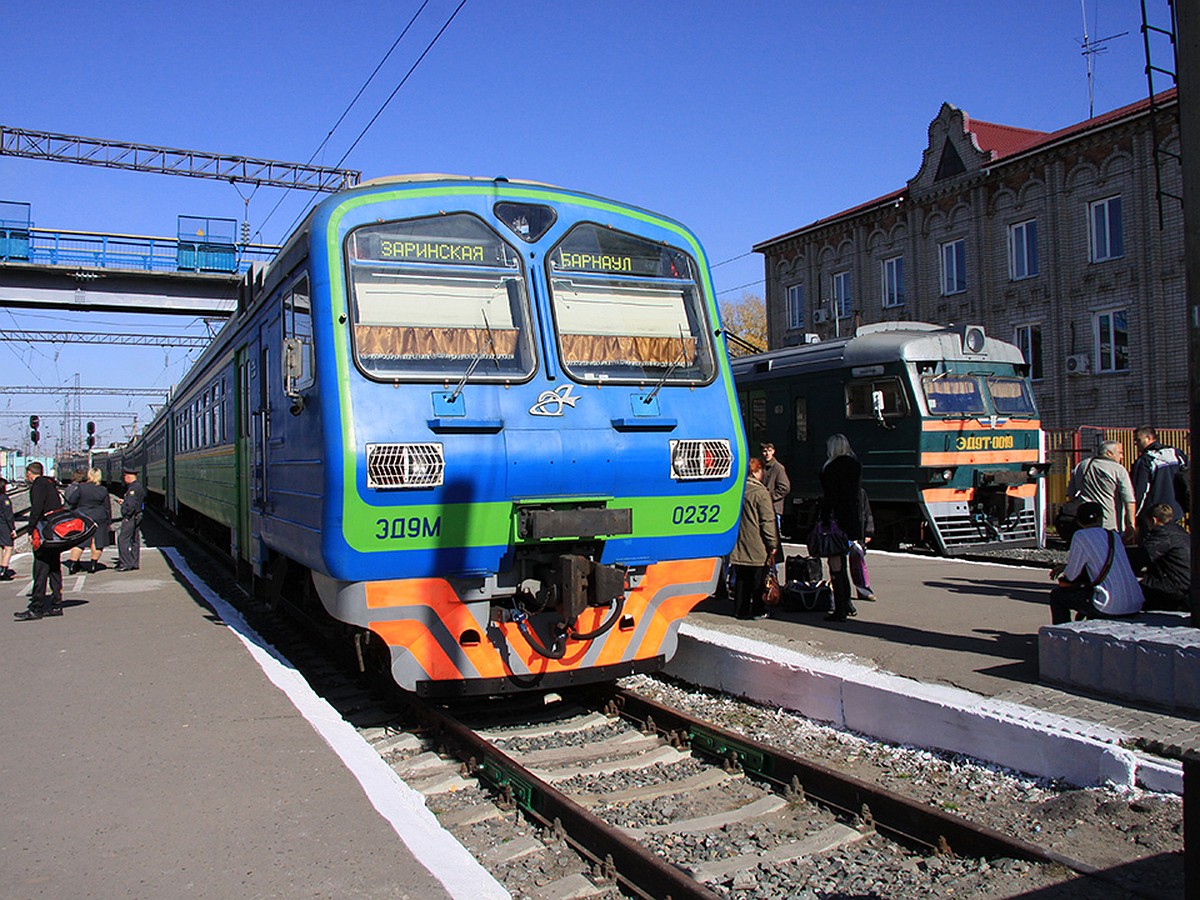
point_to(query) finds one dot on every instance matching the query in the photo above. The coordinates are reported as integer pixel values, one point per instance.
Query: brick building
(1050, 240)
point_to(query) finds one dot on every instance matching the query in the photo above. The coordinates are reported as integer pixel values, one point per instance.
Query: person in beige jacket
(758, 541)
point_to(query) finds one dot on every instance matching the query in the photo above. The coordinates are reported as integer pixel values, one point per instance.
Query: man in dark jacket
(1166, 553)
(129, 539)
(775, 480)
(1154, 475)
(47, 570)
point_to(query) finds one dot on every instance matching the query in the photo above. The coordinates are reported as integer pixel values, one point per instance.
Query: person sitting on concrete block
(1165, 553)
(1098, 581)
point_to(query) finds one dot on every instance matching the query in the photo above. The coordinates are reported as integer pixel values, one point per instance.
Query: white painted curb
(848, 694)
(404, 808)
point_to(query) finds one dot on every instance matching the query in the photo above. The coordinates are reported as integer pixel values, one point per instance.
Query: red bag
(61, 530)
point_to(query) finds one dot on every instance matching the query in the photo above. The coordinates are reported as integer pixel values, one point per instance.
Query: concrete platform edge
(848, 694)
(401, 806)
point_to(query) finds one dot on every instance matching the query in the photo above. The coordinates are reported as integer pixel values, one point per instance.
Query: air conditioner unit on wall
(820, 315)
(1079, 364)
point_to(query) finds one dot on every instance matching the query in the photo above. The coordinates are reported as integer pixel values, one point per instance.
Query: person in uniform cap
(8, 532)
(129, 541)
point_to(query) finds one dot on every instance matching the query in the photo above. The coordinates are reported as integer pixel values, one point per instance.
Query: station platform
(946, 658)
(149, 749)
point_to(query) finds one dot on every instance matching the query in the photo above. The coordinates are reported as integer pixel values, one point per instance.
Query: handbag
(61, 530)
(771, 593)
(827, 539)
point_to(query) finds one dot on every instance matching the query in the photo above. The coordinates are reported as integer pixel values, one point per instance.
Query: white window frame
(892, 282)
(1101, 330)
(953, 256)
(1023, 339)
(842, 299)
(1023, 250)
(1101, 234)
(794, 304)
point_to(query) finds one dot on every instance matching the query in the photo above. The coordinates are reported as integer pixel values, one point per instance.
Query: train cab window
(297, 326)
(862, 396)
(436, 299)
(954, 395)
(1011, 396)
(628, 309)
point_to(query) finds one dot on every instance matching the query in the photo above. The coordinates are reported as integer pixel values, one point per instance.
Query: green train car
(942, 419)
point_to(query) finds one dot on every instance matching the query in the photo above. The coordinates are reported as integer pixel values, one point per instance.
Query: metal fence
(1067, 447)
(125, 251)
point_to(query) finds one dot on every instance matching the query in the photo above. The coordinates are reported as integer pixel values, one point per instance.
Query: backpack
(61, 530)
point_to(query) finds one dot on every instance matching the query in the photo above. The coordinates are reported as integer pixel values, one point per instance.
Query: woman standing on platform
(757, 543)
(91, 499)
(841, 483)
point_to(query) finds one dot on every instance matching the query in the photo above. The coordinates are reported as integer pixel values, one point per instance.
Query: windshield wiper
(491, 345)
(649, 398)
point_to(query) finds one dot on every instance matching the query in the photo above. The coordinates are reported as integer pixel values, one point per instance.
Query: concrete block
(906, 712)
(1187, 679)
(1162, 775)
(1084, 668)
(1154, 672)
(1053, 642)
(1118, 657)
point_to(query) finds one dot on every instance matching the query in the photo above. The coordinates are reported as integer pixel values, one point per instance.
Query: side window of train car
(863, 397)
(438, 299)
(297, 335)
(800, 415)
(628, 309)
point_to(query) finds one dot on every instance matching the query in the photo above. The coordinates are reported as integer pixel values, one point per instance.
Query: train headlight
(405, 465)
(947, 474)
(696, 460)
(939, 476)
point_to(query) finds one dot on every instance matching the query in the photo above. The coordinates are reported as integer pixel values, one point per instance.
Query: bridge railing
(126, 251)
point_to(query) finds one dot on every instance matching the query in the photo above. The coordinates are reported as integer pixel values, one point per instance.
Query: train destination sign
(590, 248)
(453, 240)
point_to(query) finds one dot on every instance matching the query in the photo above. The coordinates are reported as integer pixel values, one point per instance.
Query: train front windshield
(628, 309)
(965, 396)
(433, 298)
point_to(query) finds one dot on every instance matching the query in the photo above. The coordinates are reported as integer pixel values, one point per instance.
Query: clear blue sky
(743, 120)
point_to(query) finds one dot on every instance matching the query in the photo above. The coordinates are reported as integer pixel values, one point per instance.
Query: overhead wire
(346, 112)
(428, 47)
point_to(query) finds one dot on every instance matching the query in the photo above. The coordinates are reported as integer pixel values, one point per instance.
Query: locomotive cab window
(954, 395)
(438, 298)
(628, 309)
(862, 397)
(1011, 396)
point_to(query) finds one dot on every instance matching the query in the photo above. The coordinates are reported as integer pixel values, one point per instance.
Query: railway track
(603, 793)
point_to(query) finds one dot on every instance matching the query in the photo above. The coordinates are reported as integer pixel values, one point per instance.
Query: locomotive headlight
(947, 474)
(405, 465)
(939, 476)
(695, 460)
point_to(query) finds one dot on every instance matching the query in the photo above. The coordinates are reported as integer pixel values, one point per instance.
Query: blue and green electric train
(488, 425)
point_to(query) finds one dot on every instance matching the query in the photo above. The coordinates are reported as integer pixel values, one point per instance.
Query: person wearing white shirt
(1098, 580)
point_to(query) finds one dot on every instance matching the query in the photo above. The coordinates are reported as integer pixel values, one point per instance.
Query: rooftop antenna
(1090, 50)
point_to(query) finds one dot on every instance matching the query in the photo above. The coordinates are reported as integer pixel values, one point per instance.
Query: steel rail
(888, 811)
(617, 855)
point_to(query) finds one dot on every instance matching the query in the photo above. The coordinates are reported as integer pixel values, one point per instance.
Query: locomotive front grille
(963, 530)
(405, 465)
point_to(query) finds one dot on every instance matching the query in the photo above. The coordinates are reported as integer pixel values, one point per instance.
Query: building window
(1028, 339)
(795, 306)
(1112, 341)
(893, 282)
(954, 267)
(1107, 234)
(841, 294)
(1022, 250)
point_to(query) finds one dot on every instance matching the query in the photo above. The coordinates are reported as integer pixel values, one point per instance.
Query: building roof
(1004, 142)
